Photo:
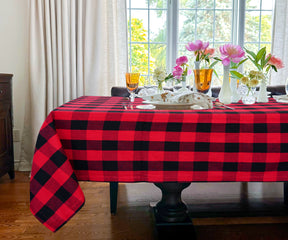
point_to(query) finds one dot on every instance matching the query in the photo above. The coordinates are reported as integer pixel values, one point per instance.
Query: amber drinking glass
(203, 80)
(132, 82)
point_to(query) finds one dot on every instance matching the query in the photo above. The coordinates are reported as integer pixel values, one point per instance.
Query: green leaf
(255, 63)
(250, 53)
(236, 74)
(207, 56)
(241, 62)
(215, 73)
(233, 65)
(218, 59)
(252, 60)
(274, 68)
(213, 64)
(267, 60)
(261, 54)
(168, 77)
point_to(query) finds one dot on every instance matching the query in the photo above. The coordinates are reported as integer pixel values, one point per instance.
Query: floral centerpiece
(232, 56)
(201, 52)
(160, 76)
(180, 72)
(251, 81)
(264, 63)
(181, 68)
(202, 76)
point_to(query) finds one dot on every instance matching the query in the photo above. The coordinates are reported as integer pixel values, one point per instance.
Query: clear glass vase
(196, 67)
(262, 95)
(225, 95)
(180, 85)
(249, 98)
(234, 88)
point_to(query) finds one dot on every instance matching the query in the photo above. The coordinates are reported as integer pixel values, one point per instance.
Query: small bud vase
(180, 85)
(160, 87)
(196, 67)
(262, 95)
(235, 95)
(249, 98)
(225, 95)
(183, 81)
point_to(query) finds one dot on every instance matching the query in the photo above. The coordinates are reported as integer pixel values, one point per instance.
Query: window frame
(172, 25)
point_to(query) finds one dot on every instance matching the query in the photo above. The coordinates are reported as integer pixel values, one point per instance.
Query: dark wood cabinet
(6, 136)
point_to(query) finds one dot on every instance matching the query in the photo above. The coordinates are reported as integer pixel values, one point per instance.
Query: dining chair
(113, 186)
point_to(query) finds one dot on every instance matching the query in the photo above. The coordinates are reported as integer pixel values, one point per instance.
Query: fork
(220, 104)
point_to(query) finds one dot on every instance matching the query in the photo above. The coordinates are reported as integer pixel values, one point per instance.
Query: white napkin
(281, 98)
(153, 95)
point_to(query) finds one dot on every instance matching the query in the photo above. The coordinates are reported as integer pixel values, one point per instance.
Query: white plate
(173, 106)
(148, 106)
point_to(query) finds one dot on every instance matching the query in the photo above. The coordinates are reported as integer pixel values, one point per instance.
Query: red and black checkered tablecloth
(97, 139)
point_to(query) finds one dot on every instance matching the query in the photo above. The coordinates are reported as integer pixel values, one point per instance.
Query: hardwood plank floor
(133, 220)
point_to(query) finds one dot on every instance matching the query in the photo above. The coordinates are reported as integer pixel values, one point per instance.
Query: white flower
(257, 74)
(159, 74)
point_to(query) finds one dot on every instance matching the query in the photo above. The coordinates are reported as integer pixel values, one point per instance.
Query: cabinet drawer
(5, 91)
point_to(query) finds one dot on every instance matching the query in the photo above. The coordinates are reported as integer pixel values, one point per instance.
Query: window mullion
(241, 23)
(130, 38)
(235, 15)
(238, 22)
(260, 21)
(172, 33)
(214, 20)
(148, 39)
(241, 27)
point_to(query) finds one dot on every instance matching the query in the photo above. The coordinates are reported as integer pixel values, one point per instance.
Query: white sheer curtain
(77, 47)
(280, 41)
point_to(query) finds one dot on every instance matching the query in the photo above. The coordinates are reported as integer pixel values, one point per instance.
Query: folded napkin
(182, 96)
(153, 94)
(281, 98)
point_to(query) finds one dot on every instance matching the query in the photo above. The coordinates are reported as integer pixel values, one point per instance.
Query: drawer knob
(1, 91)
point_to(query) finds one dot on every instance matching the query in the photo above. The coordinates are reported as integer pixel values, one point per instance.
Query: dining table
(109, 139)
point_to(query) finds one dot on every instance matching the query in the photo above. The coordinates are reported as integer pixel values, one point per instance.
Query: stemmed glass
(132, 82)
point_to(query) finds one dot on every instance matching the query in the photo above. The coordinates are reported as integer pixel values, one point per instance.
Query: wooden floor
(134, 217)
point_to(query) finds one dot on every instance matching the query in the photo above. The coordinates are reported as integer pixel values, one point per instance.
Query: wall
(14, 32)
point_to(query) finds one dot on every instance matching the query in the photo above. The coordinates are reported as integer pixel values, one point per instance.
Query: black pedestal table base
(171, 214)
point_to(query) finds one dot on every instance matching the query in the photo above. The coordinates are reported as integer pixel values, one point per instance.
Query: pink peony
(178, 71)
(197, 46)
(207, 51)
(181, 60)
(211, 51)
(277, 62)
(230, 53)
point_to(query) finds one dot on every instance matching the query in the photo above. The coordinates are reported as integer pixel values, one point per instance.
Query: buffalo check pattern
(97, 139)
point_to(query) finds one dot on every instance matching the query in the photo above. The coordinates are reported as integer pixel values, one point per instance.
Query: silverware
(124, 106)
(220, 104)
(127, 107)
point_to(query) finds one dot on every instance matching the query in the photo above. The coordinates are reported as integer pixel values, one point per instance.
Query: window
(160, 29)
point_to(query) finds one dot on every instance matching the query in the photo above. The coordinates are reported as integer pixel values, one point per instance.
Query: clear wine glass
(132, 82)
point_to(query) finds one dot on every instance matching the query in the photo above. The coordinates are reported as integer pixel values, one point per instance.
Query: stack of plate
(281, 98)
